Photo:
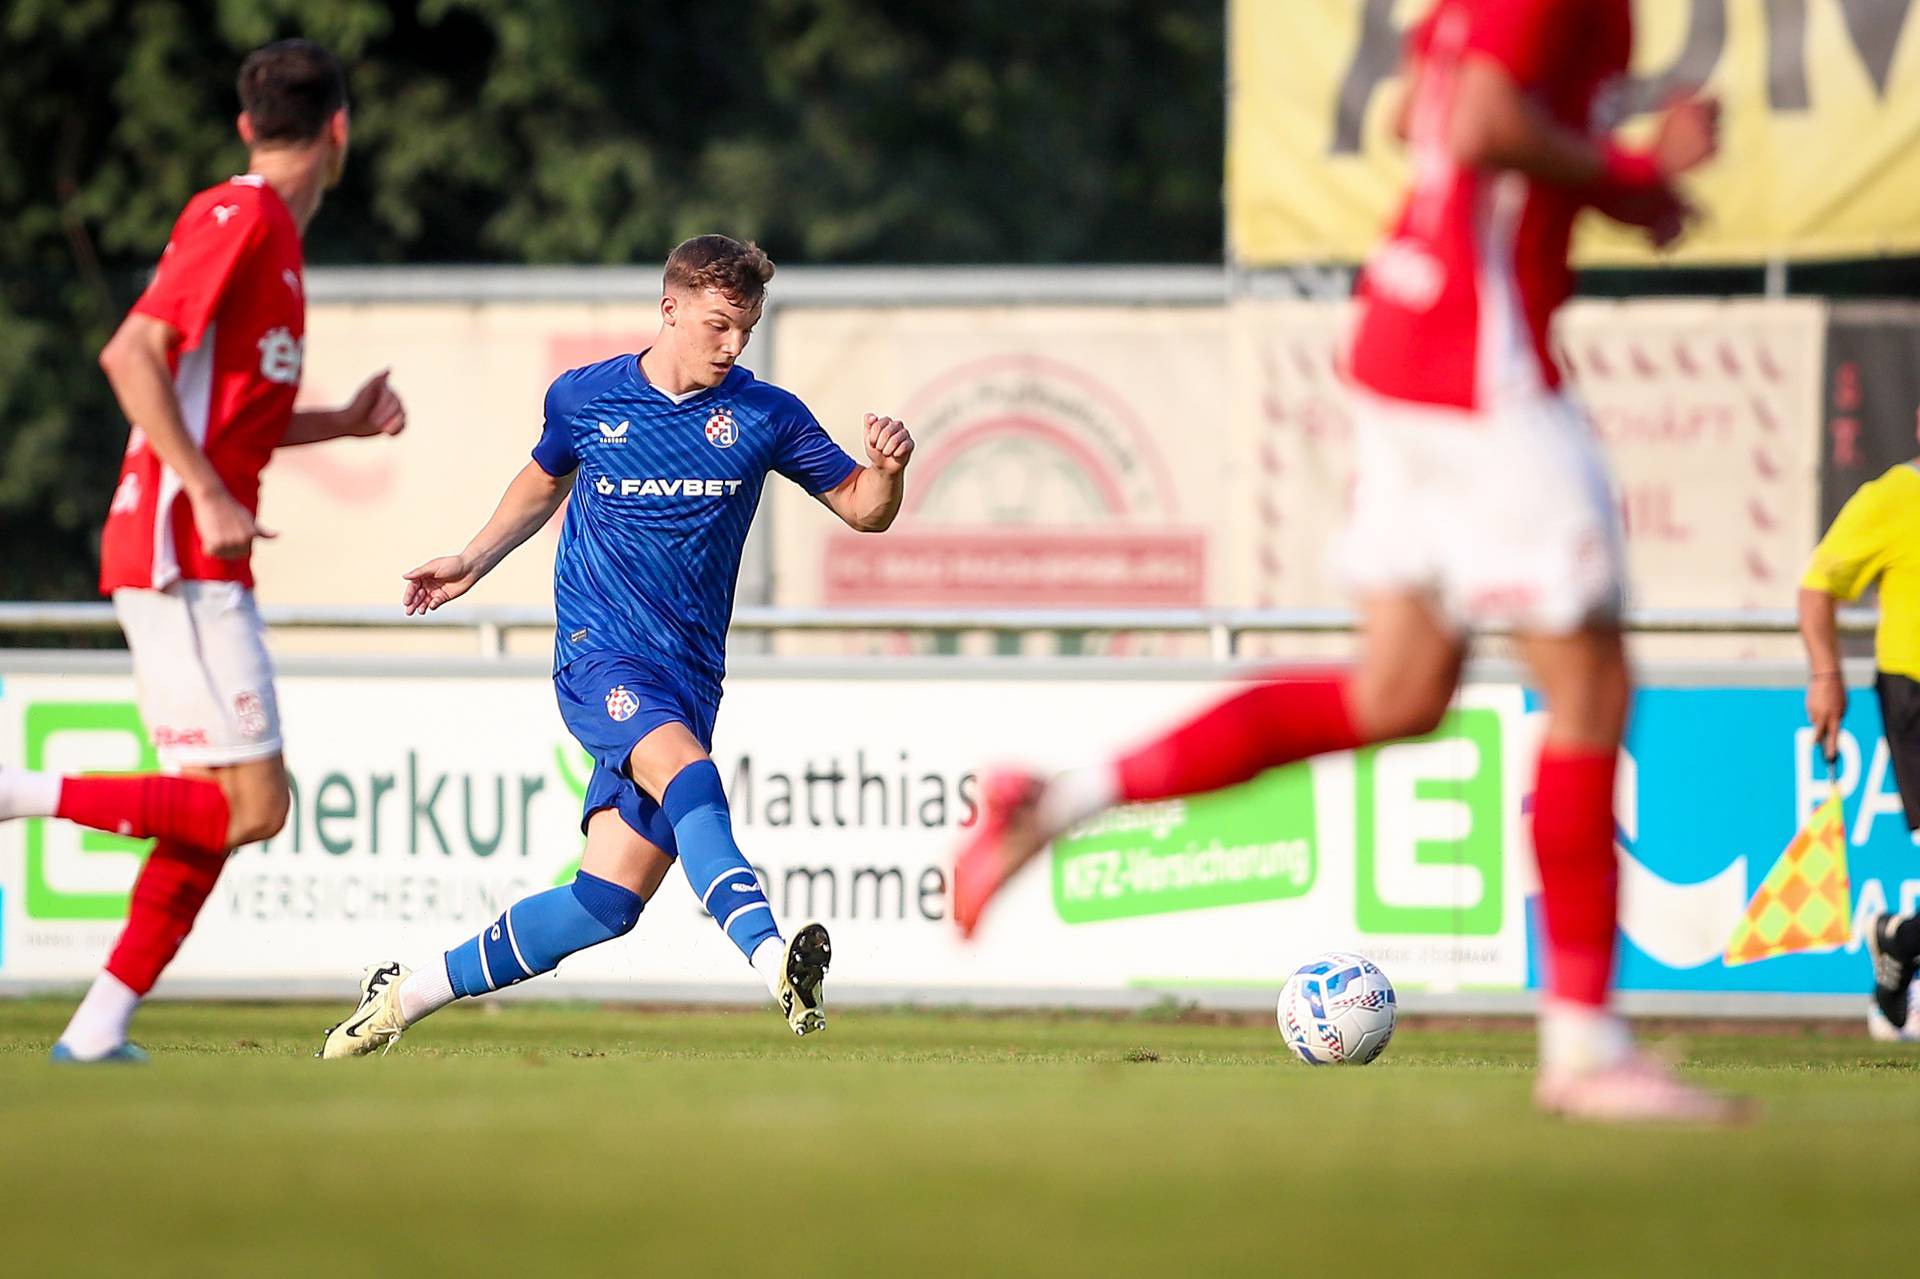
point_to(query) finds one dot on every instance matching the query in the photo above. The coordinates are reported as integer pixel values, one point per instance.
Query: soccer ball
(1337, 1010)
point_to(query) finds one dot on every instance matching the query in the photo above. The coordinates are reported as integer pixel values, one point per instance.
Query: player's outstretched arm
(375, 409)
(1497, 124)
(135, 362)
(529, 502)
(869, 499)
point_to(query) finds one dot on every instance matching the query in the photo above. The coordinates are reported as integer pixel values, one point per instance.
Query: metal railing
(1223, 627)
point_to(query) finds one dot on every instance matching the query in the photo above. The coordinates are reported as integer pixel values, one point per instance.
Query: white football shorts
(200, 664)
(1505, 516)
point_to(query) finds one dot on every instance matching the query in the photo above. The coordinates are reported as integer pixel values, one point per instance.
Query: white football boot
(376, 1021)
(802, 971)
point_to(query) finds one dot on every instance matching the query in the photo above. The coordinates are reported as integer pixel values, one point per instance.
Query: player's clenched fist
(226, 528)
(888, 443)
(376, 408)
(1688, 135)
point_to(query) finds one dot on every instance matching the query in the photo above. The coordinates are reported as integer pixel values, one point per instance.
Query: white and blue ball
(1337, 1010)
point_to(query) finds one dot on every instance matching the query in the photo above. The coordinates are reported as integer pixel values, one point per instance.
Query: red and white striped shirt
(231, 282)
(1456, 303)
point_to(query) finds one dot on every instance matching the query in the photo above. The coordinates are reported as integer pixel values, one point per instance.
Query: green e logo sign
(1428, 831)
(46, 721)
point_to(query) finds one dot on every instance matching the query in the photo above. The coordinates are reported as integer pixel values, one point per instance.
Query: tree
(543, 131)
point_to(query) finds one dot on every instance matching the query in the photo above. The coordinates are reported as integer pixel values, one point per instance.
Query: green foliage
(549, 131)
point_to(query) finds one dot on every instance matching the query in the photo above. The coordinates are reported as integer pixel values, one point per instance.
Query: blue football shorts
(609, 703)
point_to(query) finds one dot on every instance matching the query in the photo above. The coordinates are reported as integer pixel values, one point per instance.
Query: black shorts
(1900, 712)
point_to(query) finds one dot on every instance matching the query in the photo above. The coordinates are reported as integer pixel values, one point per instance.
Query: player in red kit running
(206, 367)
(1481, 499)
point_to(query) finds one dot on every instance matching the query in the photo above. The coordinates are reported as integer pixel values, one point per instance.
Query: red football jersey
(231, 282)
(1455, 304)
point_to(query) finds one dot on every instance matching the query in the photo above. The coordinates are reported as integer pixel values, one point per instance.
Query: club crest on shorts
(721, 429)
(621, 704)
(250, 713)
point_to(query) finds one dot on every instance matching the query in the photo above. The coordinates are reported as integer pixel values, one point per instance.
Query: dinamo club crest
(721, 430)
(621, 704)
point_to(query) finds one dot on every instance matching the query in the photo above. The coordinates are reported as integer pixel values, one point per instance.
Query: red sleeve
(209, 242)
(1419, 37)
(1521, 35)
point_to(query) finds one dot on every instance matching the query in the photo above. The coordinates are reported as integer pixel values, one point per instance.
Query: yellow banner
(1821, 145)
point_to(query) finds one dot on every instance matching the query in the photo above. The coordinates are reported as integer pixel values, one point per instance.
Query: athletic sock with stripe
(535, 933)
(727, 886)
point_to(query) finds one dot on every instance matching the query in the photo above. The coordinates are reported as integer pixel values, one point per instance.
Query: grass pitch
(528, 1139)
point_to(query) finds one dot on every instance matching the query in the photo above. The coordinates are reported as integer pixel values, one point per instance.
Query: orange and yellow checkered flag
(1805, 901)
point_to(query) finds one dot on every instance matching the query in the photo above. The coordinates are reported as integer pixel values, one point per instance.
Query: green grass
(537, 1140)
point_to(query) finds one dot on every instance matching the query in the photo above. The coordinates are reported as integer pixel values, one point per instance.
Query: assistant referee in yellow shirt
(1876, 537)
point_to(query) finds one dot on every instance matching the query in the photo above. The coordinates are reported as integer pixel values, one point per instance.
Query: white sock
(99, 1024)
(770, 961)
(24, 794)
(1076, 795)
(1578, 1039)
(427, 990)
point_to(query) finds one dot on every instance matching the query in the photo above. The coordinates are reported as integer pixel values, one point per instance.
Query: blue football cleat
(125, 1054)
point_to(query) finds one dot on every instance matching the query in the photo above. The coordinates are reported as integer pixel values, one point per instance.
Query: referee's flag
(1804, 904)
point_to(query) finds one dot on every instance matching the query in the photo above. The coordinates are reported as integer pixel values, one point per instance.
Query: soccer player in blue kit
(665, 454)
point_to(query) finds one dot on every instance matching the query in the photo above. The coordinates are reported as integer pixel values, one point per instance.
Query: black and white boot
(1891, 1016)
(802, 974)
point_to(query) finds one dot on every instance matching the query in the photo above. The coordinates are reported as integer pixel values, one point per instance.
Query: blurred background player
(206, 367)
(1875, 538)
(665, 454)
(1481, 499)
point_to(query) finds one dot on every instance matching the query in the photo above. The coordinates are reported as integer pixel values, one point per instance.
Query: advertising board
(424, 806)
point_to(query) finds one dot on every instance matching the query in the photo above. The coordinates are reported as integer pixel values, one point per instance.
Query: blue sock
(537, 932)
(696, 804)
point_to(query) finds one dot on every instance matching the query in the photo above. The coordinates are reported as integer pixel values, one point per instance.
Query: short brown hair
(739, 271)
(290, 89)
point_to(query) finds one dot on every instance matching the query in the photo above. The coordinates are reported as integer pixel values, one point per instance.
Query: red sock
(173, 886)
(1268, 725)
(190, 810)
(1579, 876)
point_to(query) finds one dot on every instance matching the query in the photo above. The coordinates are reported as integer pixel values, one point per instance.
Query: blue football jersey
(650, 550)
